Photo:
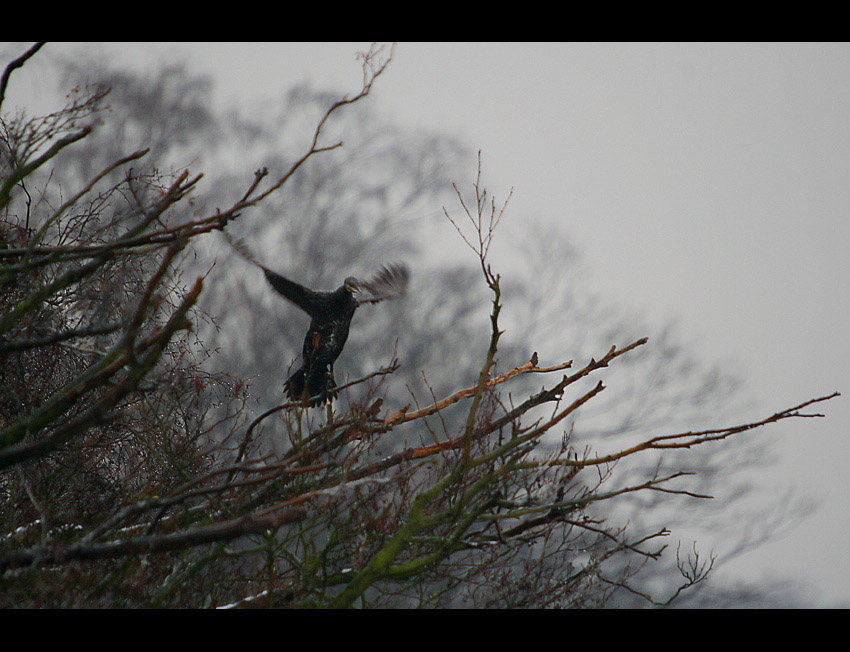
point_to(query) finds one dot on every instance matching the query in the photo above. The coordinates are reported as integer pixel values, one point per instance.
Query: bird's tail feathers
(294, 385)
(318, 390)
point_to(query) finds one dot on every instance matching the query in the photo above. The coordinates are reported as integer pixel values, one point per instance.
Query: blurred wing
(309, 301)
(389, 283)
(241, 248)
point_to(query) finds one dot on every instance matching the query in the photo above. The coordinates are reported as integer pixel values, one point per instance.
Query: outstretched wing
(309, 301)
(389, 283)
(306, 299)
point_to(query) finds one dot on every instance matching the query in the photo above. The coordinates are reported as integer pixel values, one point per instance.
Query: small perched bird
(331, 314)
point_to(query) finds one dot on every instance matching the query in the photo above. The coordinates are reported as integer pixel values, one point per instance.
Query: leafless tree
(133, 475)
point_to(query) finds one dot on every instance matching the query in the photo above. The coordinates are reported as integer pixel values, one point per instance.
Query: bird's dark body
(330, 315)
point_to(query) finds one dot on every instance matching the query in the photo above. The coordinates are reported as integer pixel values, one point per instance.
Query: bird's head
(352, 285)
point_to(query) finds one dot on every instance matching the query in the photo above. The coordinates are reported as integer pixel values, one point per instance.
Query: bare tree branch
(15, 64)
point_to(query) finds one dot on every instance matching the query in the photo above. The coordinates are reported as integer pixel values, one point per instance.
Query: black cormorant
(330, 314)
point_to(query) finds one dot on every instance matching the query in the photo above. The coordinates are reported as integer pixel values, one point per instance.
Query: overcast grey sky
(705, 182)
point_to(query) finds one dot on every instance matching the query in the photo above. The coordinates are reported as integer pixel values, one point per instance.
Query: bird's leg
(299, 412)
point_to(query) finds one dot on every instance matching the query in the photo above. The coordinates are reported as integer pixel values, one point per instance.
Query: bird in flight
(331, 314)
